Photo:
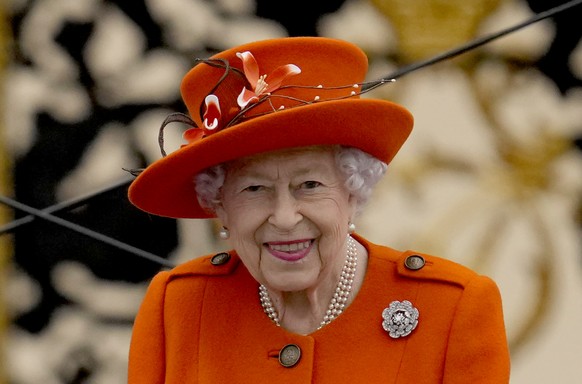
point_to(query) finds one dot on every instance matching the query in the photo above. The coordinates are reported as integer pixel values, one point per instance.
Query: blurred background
(491, 176)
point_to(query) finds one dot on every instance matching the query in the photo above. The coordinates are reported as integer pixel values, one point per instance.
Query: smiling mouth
(289, 247)
(290, 251)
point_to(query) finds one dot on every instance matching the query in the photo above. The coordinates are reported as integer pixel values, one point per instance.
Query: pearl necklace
(340, 295)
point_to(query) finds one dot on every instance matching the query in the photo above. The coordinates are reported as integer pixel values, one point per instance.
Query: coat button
(289, 355)
(220, 258)
(414, 262)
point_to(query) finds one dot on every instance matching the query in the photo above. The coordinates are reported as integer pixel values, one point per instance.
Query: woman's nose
(285, 213)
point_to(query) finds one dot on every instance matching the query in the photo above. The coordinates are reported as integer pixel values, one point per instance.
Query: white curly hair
(361, 173)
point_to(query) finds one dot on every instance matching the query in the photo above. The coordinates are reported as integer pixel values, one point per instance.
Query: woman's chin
(290, 283)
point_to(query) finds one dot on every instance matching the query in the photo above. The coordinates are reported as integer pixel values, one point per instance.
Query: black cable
(85, 231)
(65, 205)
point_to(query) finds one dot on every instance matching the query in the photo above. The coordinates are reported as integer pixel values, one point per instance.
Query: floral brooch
(400, 319)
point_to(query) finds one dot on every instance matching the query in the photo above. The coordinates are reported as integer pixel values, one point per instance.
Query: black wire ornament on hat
(228, 88)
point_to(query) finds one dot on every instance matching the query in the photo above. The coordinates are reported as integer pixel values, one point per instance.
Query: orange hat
(310, 96)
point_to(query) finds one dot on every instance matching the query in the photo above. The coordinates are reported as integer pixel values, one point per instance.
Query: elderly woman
(285, 153)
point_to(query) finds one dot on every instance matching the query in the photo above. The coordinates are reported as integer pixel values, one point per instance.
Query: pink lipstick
(289, 250)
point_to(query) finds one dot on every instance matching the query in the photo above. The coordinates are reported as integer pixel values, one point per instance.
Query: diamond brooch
(400, 318)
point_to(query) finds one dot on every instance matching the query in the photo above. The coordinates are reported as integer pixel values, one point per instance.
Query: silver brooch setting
(400, 318)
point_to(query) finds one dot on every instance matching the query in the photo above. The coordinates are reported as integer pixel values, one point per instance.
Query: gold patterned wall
(428, 28)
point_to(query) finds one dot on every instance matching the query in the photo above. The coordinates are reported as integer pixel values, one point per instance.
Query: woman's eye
(253, 188)
(311, 184)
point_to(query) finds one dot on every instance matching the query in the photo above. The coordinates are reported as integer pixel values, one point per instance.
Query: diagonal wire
(46, 214)
(65, 205)
(472, 44)
(84, 231)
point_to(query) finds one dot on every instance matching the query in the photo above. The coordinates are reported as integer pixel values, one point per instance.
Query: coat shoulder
(216, 264)
(417, 265)
(424, 266)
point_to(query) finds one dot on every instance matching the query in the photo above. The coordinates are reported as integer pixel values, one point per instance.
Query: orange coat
(201, 323)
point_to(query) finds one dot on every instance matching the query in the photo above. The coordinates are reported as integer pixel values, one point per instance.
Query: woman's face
(287, 213)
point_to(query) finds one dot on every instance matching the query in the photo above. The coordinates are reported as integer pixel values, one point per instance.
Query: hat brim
(378, 127)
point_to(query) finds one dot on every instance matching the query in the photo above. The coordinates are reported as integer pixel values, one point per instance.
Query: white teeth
(289, 247)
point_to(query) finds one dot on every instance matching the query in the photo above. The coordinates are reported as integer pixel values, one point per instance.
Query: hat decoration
(257, 88)
(256, 91)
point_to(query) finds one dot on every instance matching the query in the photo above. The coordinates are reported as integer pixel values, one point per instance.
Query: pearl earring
(224, 234)
(351, 227)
